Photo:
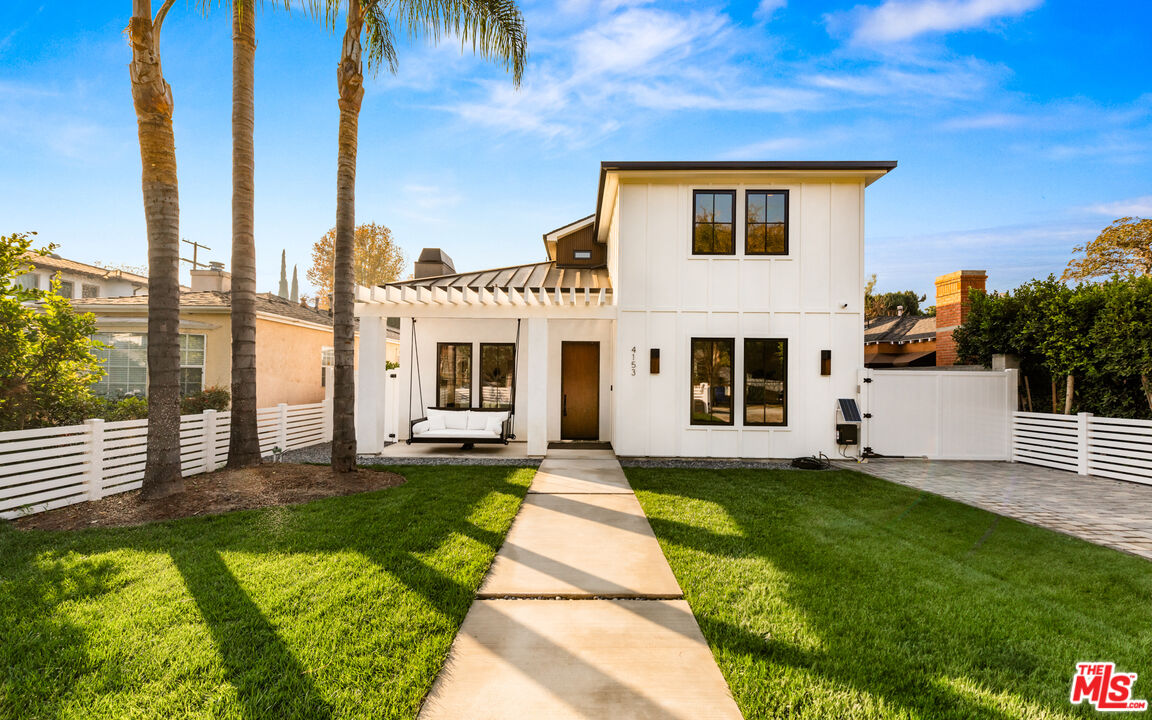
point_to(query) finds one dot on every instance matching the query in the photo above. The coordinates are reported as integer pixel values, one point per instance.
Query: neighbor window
(497, 374)
(89, 291)
(191, 364)
(125, 357)
(65, 289)
(454, 375)
(766, 231)
(712, 381)
(28, 281)
(765, 382)
(713, 222)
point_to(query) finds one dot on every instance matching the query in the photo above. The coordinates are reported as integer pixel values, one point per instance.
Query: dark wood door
(580, 391)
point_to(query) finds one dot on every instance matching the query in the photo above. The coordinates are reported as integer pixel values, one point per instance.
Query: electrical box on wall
(847, 434)
(848, 419)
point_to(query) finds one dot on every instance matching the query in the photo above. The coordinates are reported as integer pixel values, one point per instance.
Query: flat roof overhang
(611, 172)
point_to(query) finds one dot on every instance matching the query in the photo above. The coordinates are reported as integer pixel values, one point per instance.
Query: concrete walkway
(580, 615)
(1102, 511)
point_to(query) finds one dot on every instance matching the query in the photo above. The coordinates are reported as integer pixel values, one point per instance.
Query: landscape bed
(836, 594)
(341, 607)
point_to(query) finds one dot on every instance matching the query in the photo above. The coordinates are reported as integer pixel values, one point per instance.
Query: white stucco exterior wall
(812, 297)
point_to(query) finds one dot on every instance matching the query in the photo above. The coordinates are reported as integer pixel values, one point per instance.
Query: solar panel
(850, 410)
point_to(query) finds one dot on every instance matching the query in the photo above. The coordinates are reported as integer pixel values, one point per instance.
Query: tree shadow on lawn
(930, 607)
(390, 529)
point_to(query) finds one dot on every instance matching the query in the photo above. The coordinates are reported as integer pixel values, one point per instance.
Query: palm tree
(243, 440)
(496, 30)
(152, 99)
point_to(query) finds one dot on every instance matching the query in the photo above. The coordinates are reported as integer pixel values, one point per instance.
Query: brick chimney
(952, 309)
(433, 262)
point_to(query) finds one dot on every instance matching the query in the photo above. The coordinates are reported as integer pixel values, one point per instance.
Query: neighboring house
(912, 341)
(900, 341)
(293, 343)
(79, 280)
(703, 309)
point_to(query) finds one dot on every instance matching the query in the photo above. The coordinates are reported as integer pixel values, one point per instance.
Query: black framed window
(766, 222)
(712, 381)
(454, 375)
(765, 382)
(497, 374)
(713, 222)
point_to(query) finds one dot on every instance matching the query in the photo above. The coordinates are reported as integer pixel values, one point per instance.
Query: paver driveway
(1106, 512)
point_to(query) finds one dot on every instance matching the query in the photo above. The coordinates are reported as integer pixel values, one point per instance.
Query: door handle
(564, 406)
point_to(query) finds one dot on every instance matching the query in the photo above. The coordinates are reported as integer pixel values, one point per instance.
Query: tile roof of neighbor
(517, 277)
(265, 302)
(59, 263)
(903, 328)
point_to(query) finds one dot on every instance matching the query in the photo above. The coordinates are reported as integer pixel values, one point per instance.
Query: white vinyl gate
(939, 414)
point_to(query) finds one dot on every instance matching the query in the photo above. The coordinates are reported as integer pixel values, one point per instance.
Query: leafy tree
(886, 304)
(495, 29)
(152, 100)
(376, 259)
(1122, 248)
(46, 364)
(124, 267)
(1123, 331)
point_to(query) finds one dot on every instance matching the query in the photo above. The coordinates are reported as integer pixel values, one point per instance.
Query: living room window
(125, 357)
(497, 374)
(711, 391)
(713, 222)
(454, 375)
(766, 227)
(765, 382)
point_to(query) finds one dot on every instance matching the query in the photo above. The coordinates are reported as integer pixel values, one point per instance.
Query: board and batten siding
(812, 296)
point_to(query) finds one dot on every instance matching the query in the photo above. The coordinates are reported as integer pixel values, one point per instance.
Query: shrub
(213, 398)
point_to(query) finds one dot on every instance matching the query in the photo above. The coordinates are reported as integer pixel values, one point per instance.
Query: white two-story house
(705, 309)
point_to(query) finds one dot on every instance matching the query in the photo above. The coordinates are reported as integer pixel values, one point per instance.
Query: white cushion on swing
(456, 419)
(435, 423)
(421, 427)
(477, 420)
(495, 422)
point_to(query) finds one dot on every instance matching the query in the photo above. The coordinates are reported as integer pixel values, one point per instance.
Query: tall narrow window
(765, 382)
(497, 374)
(766, 232)
(712, 381)
(191, 364)
(454, 375)
(713, 222)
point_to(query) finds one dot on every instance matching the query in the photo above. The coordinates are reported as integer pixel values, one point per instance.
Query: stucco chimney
(433, 262)
(952, 308)
(214, 278)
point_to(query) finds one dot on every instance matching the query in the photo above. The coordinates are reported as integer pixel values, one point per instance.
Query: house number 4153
(633, 360)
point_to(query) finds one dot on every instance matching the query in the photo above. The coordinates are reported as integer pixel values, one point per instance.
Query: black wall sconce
(654, 361)
(825, 362)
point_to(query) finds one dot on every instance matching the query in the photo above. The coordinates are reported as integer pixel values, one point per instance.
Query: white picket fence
(53, 467)
(1085, 444)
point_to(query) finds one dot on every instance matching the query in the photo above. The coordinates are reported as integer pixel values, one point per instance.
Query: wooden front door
(580, 391)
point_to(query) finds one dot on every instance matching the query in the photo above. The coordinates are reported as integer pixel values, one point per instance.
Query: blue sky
(1022, 127)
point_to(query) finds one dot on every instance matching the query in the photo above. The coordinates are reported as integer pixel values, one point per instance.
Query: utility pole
(195, 258)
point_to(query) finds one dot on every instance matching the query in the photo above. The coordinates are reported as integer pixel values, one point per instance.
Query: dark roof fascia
(729, 165)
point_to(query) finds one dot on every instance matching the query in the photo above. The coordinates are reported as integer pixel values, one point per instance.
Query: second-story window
(713, 222)
(766, 230)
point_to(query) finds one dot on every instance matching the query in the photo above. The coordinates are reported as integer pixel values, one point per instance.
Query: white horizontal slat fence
(49, 468)
(1108, 447)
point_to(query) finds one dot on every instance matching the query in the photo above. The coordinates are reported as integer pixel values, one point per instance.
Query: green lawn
(837, 595)
(343, 607)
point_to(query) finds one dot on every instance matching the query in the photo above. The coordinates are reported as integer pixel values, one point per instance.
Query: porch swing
(464, 426)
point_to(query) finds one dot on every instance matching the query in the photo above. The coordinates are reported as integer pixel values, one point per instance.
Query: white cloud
(985, 121)
(900, 20)
(767, 8)
(1139, 207)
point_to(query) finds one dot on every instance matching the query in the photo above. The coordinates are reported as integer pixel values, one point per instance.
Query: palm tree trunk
(243, 441)
(350, 82)
(152, 99)
(1068, 392)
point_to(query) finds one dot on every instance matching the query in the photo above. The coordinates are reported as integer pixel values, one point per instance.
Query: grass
(343, 607)
(835, 594)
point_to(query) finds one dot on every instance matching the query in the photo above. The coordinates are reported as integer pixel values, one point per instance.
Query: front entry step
(579, 445)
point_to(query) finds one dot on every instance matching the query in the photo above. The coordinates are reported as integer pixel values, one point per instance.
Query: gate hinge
(867, 415)
(867, 380)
